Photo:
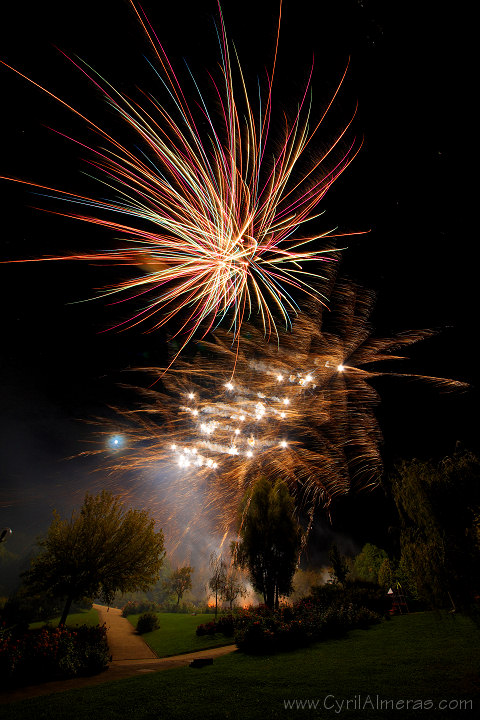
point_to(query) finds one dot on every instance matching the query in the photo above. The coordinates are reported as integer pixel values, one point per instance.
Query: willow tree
(439, 509)
(101, 549)
(269, 540)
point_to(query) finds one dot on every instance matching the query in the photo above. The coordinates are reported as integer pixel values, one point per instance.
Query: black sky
(409, 73)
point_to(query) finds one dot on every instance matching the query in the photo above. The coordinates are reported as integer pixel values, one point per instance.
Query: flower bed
(225, 625)
(49, 654)
(259, 630)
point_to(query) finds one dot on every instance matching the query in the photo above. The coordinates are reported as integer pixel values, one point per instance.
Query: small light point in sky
(116, 442)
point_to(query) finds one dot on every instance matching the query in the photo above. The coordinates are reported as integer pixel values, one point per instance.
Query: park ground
(424, 658)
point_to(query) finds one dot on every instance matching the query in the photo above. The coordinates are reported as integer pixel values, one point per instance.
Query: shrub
(207, 628)
(134, 607)
(182, 607)
(147, 622)
(22, 608)
(224, 625)
(83, 603)
(92, 648)
(258, 630)
(47, 654)
(325, 595)
(367, 595)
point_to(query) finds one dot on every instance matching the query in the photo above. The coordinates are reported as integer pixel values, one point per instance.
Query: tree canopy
(340, 568)
(368, 562)
(103, 548)
(269, 540)
(233, 587)
(180, 581)
(439, 509)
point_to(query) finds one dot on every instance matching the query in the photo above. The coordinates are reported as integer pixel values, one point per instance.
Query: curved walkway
(123, 641)
(130, 656)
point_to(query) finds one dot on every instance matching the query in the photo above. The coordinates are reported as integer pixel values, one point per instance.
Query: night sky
(408, 73)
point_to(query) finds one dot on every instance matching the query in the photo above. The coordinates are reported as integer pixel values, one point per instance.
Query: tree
(386, 574)
(340, 568)
(305, 580)
(269, 540)
(368, 562)
(218, 578)
(101, 549)
(438, 506)
(233, 587)
(180, 581)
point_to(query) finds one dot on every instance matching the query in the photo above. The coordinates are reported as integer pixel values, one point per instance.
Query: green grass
(84, 617)
(177, 634)
(421, 656)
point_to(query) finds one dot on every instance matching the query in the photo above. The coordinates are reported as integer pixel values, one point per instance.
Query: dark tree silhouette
(269, 540)
(439, 509)
(340, 567)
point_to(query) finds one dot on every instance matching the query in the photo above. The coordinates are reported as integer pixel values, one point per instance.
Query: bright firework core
(216, 221)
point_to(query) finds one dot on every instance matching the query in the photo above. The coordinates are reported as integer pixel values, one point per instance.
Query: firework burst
(303, 412)
(213, 218)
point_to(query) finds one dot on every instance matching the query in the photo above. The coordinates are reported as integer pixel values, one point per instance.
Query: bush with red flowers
(224, 624)
(209, 628)
(52, 653)
(259, 630)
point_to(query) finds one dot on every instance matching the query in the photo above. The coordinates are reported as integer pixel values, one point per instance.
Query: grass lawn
(84, 617)
(177, 634)
(416, 657)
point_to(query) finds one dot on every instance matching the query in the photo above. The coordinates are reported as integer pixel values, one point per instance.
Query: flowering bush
(224, 625)
(258, 630)
(92, 648)
(47, 654)
(209, 628)
(359, 593)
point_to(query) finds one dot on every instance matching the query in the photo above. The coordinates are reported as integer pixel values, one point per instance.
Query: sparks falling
(303, 412)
